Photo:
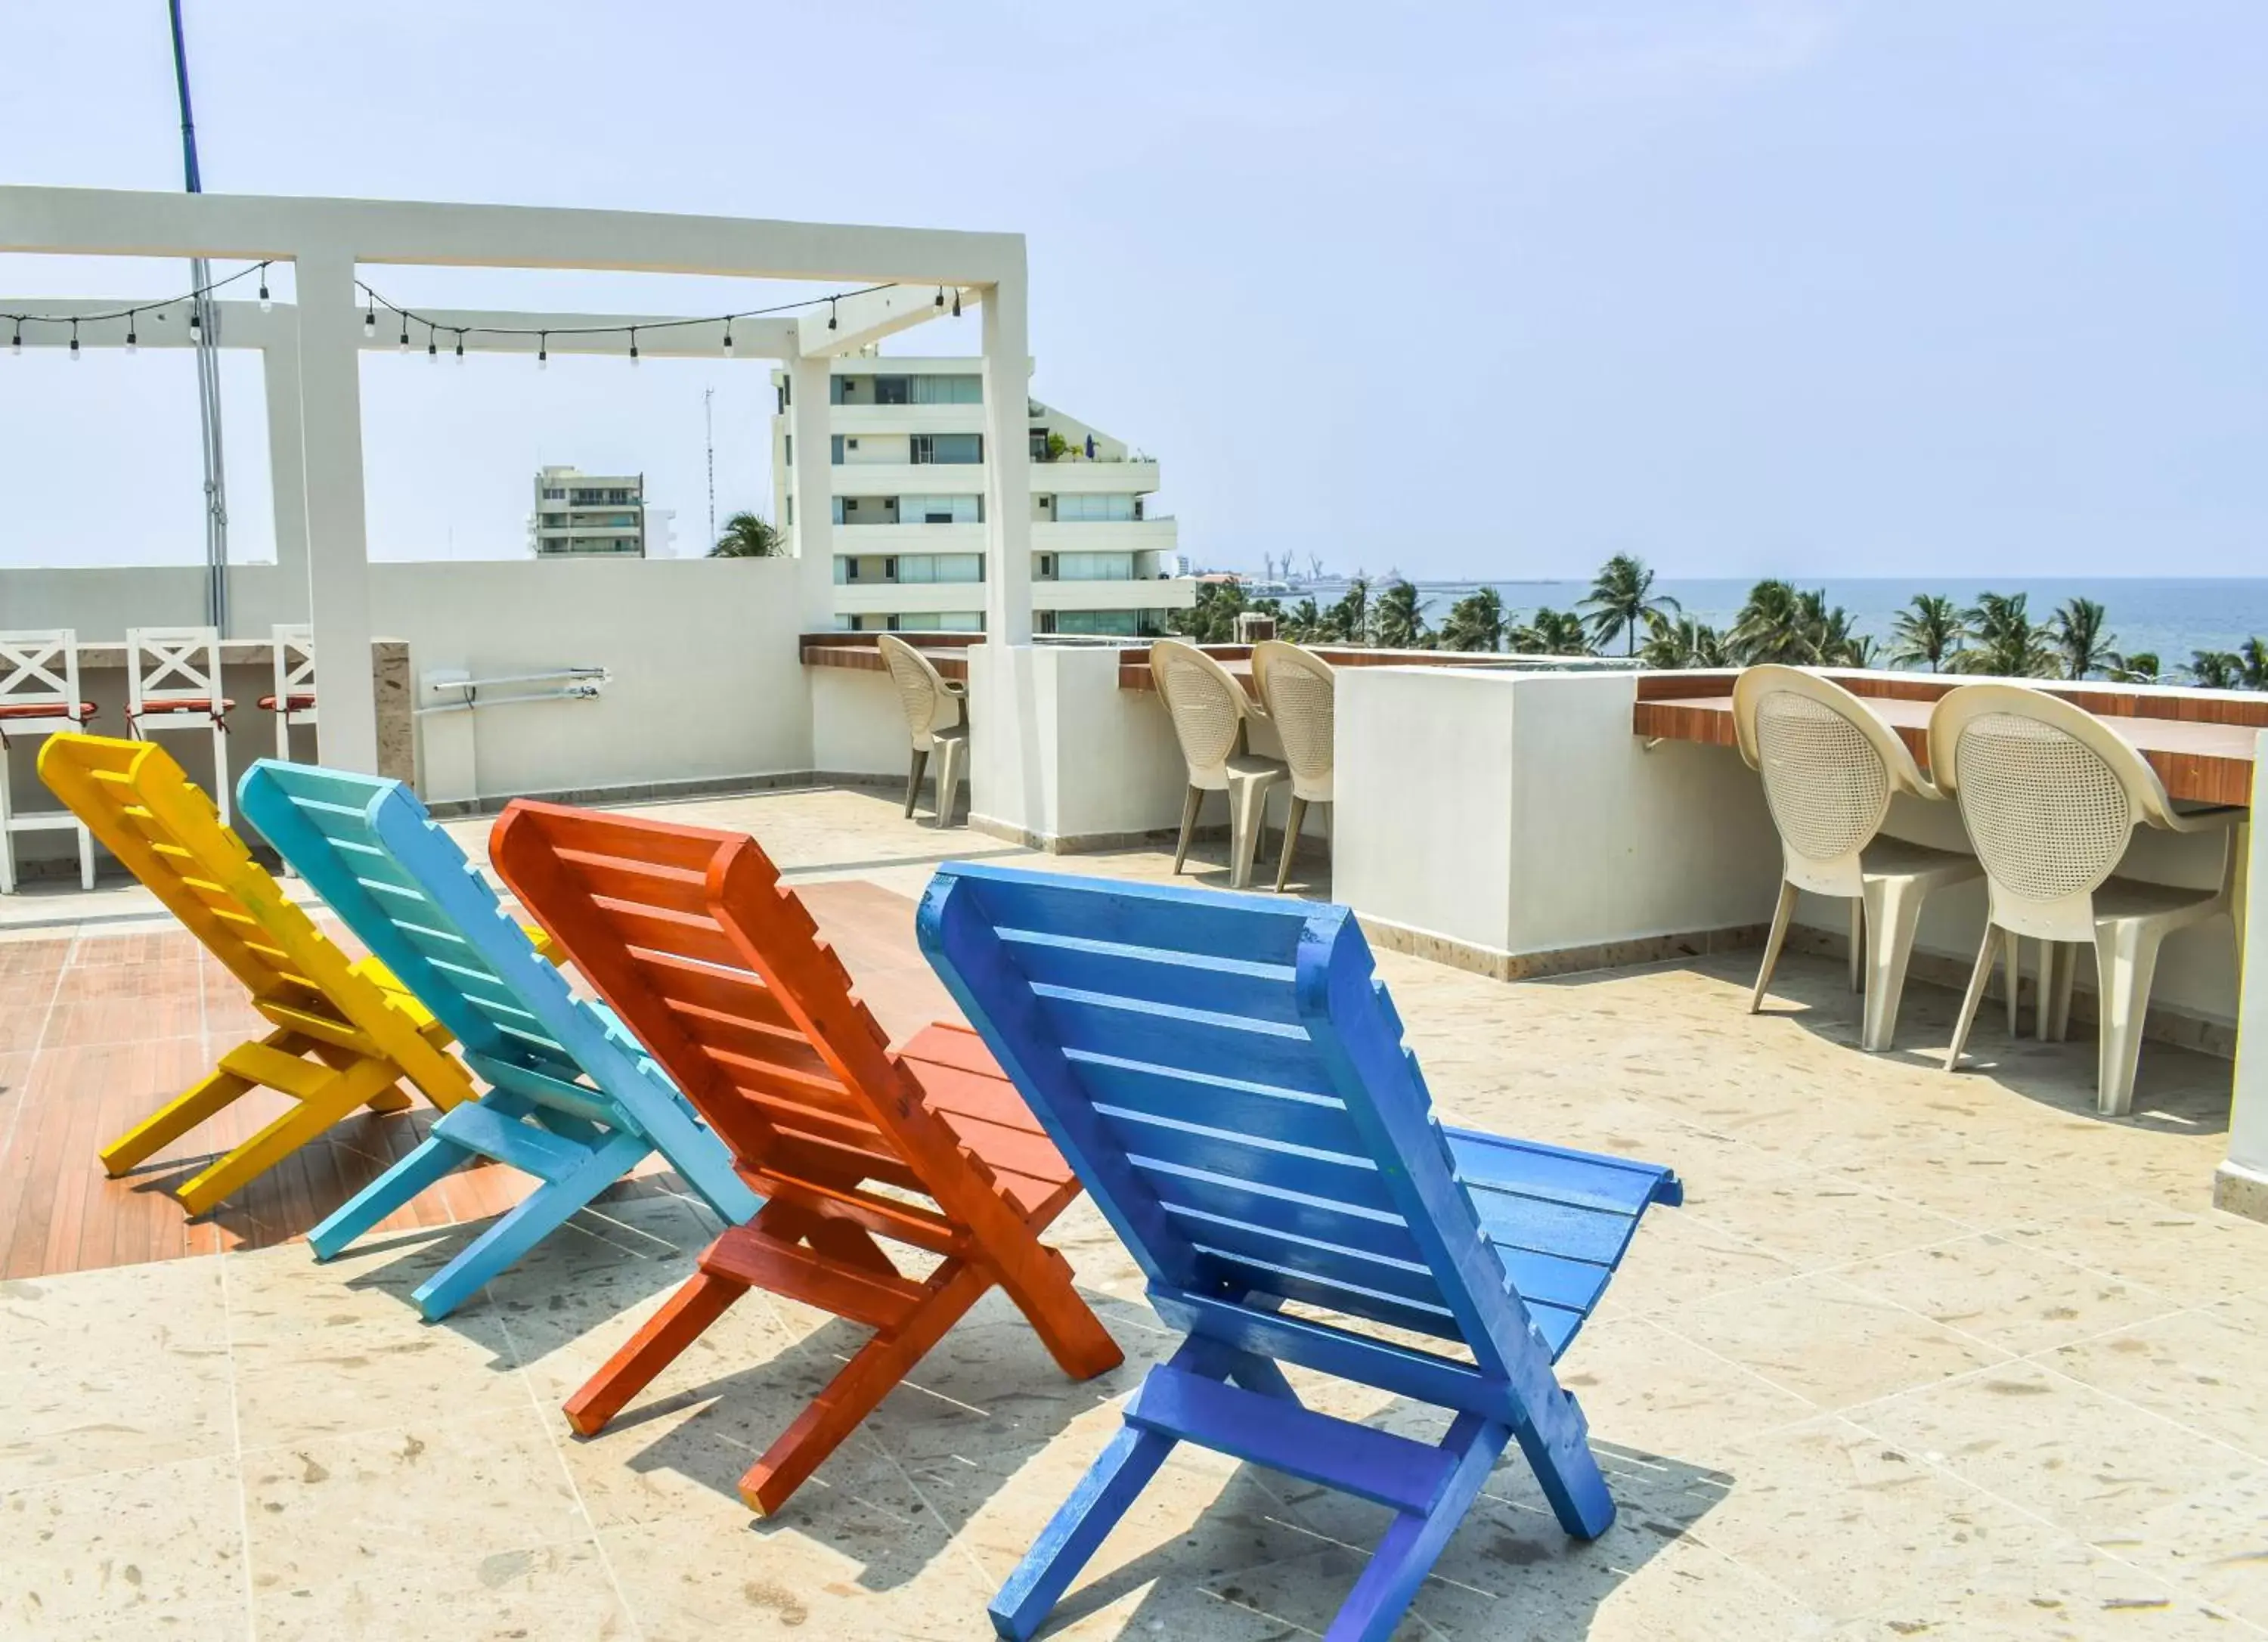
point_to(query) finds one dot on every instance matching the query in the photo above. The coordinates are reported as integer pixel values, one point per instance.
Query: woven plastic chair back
(921, 690)
(1300, 690)
(1826, 786)
(2049, 817)
(1204, 703)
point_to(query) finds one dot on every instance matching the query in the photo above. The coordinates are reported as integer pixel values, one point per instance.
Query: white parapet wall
(1060, 757)
(1511, 822)
(2241, 1185)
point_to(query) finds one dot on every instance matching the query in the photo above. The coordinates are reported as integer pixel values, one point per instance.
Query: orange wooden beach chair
(690, 936)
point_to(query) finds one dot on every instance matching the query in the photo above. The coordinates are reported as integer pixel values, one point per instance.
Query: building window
(890, 390)
(836, 451)
(941, 510)
(1047, 567)
(948, 390)
(1095, 567)
(1095, 509)
(554, 496)
(955, 448)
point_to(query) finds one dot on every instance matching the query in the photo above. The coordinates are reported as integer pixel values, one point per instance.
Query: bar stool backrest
(38, 669)
(1830, 766)
(1206, 705)
(172, 664)
(1301, 689)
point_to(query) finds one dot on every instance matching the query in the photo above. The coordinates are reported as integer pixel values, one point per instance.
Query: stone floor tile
(1815, 1221)
(2002, 1289)
(119, 1546)
(2203, 1369)
(1827, 1342)
(334, 1508)
(2198, 1258)
(557, 1592)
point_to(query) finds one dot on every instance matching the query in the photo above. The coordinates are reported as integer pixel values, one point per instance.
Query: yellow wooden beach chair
(346, 1032)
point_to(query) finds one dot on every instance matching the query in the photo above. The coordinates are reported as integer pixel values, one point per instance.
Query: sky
(1824, 288)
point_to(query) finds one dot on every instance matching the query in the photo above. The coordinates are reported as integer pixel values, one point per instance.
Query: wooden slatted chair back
(160, 824)
(1227, 1076)
(689, 935)
(368, 848)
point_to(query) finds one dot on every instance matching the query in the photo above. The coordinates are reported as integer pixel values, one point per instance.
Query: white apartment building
(907, 460)
(581, 513)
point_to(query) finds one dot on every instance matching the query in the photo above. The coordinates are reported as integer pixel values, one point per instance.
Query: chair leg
(2044, 1004)
(222, 797)
(308, 1118)
(1192, 802)
(1077, 1530)
(428, 1161)
(1065, 1323)
(1247, 816)
(85, 859)
(1859, 944)
(2066, 973)
(2126, 958)
(1291, 824)
(854, 1393)
(699, 1301)
(1781, 914)
(184, 1112)
(525, 1224)
(7, 834)
(1414, 1541)
(1977, 979)
(2015, 944)
(1892, 915)
(951, 755)
(913, 781)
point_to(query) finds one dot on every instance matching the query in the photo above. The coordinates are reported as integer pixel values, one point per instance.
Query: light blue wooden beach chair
(1227, 1076)
(574, 1100)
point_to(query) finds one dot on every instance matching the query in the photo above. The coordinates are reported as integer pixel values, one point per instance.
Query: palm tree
(1401, 619)
(2252, 661)
(1928, 631)
(1622, 597)
(1770, 627)
(749, 537)
(1304, 624)
(1351, 615)
(1552, 633)
(2008, 644)
(2214, 669)
(1828, 628)
(2075, 631)
(1476, 621)
(2140, 668)
(1681, 642)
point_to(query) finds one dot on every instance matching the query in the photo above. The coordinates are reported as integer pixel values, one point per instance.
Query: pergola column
(814, 491)
(287, 463)
(337, 547)
(1007, 462)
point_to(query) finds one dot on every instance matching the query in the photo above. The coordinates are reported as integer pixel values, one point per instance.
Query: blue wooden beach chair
(574, 1101)
(1227, 1076)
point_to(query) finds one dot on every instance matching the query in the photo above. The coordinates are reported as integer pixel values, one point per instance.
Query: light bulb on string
(131, 339)
(370, 319)
(403, 346)
(266, 304)
(74, 351)
(830, 313)
(634, 352)
(728, 335)
(543, 350)
(940, 296)
(16, 342)
(461, 348)
(957, 302)
(433, 346)
(196, 320)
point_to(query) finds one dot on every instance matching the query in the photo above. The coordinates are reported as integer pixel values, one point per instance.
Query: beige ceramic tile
(2203, 1369)
(540, 1593)
(2198, 1258)
(1827, 1342)
(96, 1552)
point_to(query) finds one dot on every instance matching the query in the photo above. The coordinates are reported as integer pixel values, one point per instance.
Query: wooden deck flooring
(98, 1029)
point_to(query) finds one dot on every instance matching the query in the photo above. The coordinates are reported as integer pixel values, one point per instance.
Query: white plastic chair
(1298, 689)
(39, 695)
(936, 719)
(2052, 797)
(293, 700)
(1209, 708)
(1831, 767)
(173, 682)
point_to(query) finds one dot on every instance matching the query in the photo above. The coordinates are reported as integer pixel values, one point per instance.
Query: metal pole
(208, 363)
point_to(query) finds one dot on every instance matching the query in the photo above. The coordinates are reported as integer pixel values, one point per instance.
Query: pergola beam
(868, 317)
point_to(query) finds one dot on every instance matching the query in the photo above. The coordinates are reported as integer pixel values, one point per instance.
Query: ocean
(2168, 616)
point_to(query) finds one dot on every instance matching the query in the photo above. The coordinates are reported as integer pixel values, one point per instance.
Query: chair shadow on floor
(1289, 1554)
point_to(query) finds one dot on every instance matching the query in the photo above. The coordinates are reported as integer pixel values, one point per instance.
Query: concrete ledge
(2240, 1190)
(1524, 966)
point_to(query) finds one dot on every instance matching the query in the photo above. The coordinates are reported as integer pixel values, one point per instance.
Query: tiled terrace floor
(1921, 1356)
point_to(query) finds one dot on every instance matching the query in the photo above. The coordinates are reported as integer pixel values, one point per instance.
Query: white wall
(2242, 1184)
(857, 727)
(1517, 814)
(708, 681)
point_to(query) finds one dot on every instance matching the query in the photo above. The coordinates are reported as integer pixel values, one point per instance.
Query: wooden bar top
(2200, 742)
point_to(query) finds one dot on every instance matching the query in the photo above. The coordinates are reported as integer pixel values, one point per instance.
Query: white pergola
(310, 349)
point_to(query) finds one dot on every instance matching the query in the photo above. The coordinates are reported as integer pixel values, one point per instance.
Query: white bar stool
(173, 682)
(293, 699)
(39, 696)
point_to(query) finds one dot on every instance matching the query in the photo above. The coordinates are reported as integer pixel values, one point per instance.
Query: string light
(433, 346)
(16, 342)
(74, 353)
(195, 324)
(830, 313)
(634, 357)
(131, 338)
(266, 306)
(543, 350)
(956, 302)
(403, 346)
(461, 348)
(370, 320)
(728, 335)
